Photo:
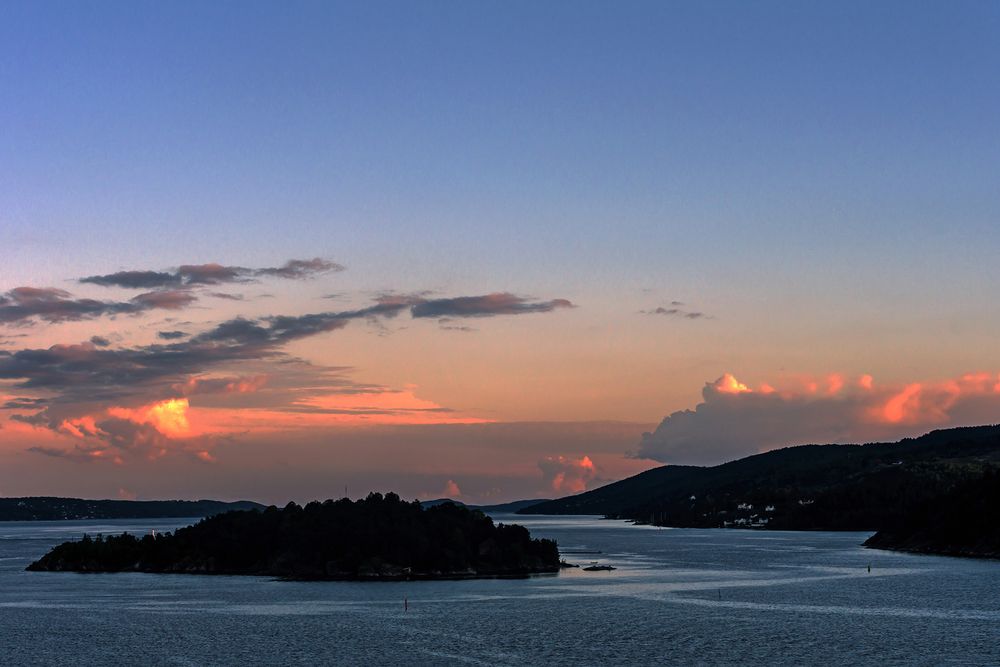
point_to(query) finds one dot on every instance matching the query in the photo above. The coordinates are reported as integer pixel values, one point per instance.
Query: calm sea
(683, 597)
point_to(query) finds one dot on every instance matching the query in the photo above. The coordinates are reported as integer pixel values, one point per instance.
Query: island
(380, 537)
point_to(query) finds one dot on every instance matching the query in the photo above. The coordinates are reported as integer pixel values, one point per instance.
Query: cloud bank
(676, 309)
(487, 305)
(24, 305)
(735, 420)
(112, 400)
(191, 275)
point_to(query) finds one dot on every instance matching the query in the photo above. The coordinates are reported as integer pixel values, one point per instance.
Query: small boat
(599, 568)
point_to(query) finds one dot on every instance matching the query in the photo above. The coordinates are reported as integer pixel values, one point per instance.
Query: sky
(286, 251)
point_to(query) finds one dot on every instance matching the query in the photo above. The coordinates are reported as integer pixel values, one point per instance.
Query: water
(681, 597)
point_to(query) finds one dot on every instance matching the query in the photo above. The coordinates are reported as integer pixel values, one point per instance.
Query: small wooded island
(377, 538)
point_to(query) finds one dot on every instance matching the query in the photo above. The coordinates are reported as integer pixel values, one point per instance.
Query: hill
(511, 507)
(810, 487)
(46, 508)
(378, 538)
(441, 501)
(502, 508)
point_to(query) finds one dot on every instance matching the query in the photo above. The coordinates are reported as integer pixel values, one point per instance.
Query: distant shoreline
(924, 545)
(52, 508)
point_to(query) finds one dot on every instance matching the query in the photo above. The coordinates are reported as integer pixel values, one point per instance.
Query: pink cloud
(567, 475)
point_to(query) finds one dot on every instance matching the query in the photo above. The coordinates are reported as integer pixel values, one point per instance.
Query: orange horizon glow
(181, 428)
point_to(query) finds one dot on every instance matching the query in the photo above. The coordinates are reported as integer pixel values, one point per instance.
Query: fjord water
(677, 597)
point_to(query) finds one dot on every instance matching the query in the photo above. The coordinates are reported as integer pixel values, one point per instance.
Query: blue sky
(591, 141)
(820, 179)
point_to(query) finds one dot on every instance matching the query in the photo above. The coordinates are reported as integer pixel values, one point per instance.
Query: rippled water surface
(678, 597)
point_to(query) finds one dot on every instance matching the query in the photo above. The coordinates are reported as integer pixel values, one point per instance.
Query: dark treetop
(929, 494)
(380, 537)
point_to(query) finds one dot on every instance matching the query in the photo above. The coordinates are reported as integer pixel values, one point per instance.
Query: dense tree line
(965, 523)
(380, 536)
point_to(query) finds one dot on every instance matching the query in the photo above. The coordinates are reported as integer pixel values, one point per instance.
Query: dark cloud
(88, 373)
(37, 419)
(675, 311)
(100, 341)
(200, 386)
(300, 269)
(402, 298)
(115, 440)
(25, 404)
(729, 426)
(165, 300)
(22, 305)
(135, 437)
(80, 453)
(283, 383)
(190, 275)
(213, 274)
(228, 297)
(135, 279)
(51, 304)
(487, 305)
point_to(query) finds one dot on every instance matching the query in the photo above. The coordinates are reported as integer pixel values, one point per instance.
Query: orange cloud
(734, 420)
(151, 431)
(81, 427)
(903, 405)
(173, 426)
(169, 417)
(728, 384)
(567, 475)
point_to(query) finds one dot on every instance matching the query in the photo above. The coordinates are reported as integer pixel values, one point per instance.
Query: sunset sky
(485, 250)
